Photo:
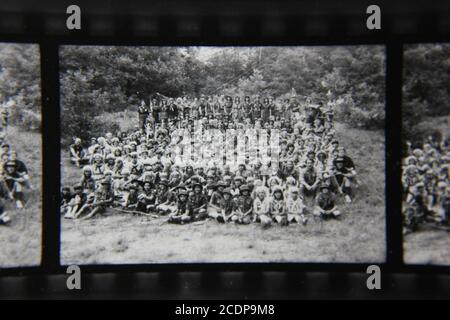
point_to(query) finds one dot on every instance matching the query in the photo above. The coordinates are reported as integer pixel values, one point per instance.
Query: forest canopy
(426, 89)
(112, 79)
(20, 84)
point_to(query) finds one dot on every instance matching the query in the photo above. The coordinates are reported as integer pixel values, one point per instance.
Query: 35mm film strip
(180, 150)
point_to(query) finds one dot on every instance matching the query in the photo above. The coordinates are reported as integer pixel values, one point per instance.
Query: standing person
(142, 113)
(154, 109)
(257, 109)
(225, 208)
(247, 108)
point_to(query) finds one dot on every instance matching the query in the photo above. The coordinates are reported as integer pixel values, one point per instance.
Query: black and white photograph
(20, 155)
(426, 154)
(222, 154)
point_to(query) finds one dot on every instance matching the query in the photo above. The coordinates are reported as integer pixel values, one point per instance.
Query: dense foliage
(112, 79)
(20, 84)
(426, 89)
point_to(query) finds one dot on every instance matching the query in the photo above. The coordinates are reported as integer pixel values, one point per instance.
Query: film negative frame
(168, 26)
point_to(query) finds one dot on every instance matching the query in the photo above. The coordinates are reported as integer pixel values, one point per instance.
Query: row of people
(231, 109)
(191, 202)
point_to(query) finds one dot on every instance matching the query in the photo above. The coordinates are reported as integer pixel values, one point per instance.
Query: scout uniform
(295, 207)
(244, 203)
(277, 207)
(325, 204)
(181, 215)
(261, 207)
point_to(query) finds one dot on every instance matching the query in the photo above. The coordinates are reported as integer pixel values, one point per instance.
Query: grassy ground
(21, 240)
(358, 237)
(428, 246)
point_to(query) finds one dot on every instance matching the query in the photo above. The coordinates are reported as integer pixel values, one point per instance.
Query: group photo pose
(426, 154)
(209, 154)
(20, 156)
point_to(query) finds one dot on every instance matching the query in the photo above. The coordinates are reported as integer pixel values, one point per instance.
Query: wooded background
(113, 79)
(20, 81)
(426, 91)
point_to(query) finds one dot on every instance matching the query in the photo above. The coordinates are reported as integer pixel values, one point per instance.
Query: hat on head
(244, 188)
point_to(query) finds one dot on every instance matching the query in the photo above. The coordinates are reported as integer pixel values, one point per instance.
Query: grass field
(358, 237)
(428, 246)
(21, 239)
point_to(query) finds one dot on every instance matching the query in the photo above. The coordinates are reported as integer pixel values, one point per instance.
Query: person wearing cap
(344, 177)
(14, 183)
(261, 207)
(103, 198)
(77, 153)
(143, 112)
(147, 197)
(237, 183)
(309, 180)
(295, 208)
(214, 205)
(198, 203)
(277, 207)
(325, 204)
(244, 206)
(131, 202)
(181, 214)
(162, 199)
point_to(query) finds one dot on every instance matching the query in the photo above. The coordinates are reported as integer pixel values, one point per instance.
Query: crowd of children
(426, 184)
(155, 169)
(14, 177)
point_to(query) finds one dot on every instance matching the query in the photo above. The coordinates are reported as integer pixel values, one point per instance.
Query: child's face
(182, 198)
(295, 196)
(261, 195)
(226, 196)
(277, 195)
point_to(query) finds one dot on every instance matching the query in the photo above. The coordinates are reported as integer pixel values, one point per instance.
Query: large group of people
(426, 184)
(184, 161)
(14, 177)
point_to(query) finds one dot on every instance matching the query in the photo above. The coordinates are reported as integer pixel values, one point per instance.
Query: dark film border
(345, 26)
